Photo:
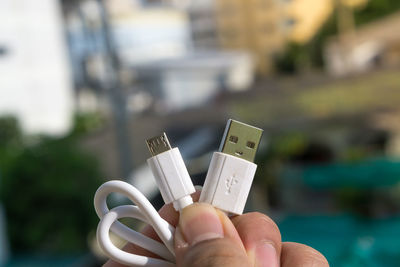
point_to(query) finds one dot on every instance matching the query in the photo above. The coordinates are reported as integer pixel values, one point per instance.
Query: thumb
(206, 237)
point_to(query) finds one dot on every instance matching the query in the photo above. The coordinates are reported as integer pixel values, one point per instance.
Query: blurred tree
(10, 133)
(281, 148)
(10, 141)
(85, 123)
(289, 62)
(309, 55)
(47, 190)
(356, 201)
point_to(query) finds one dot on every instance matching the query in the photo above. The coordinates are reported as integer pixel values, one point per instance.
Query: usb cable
(175, 186)
(232, 170)
(226, 187)
(170, 171)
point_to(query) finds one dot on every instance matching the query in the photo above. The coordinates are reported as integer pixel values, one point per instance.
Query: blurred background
(84, 82)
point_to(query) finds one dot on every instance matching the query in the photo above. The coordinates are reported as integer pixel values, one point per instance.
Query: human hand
(205, 236)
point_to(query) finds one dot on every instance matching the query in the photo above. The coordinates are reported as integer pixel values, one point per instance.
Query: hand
(205, 236)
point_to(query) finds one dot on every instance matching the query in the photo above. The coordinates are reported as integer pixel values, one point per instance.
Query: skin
(251, 239)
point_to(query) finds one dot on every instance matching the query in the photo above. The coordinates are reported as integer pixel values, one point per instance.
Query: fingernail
(266, 255)
(200, 222)
(180, 242)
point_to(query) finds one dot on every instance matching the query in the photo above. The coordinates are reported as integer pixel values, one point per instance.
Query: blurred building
(201, 20)
(303, 18)
(167, 54)
(140, 34)
(35, 80)
(253, 26)
(374, 45)
(194, 79)
(353, 3)
(264, 27)
(151, 34)
(203, 24)
(145, 31)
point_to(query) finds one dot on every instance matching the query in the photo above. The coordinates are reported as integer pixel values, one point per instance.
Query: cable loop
(143, 211)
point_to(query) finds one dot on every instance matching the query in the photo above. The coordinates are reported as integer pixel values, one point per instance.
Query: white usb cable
(143, 211)
(176, 187)
(170, 171)
(232, 170)
(226, 187)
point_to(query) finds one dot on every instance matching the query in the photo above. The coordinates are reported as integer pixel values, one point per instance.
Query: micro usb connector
(158, 144)
(232, 170)
(170, 172)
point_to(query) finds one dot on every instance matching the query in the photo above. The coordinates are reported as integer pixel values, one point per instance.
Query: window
(3, 51)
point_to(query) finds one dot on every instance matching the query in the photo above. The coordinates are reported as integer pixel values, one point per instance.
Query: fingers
(206, 237)
(168, 213)
(215, 253)
(261, 238)
(299, 255)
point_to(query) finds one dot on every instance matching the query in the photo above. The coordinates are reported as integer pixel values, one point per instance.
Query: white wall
(35, 81)
(152, 34)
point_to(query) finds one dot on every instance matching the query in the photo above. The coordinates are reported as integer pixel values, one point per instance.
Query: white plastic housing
(228, 182)
(171, 175)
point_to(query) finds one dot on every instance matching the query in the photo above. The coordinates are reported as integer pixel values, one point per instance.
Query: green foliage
(298, 56)
(287, 145)
(354, 200)
(290, 61)
(315, 47)
(376, 9)
(86, 122)
(10, 133)
(47, 190)
(281, 148)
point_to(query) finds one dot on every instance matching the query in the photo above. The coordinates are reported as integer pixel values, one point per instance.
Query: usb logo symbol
(229, 183)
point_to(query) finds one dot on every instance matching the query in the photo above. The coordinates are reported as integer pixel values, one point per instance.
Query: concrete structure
(262, 28)
(35, 80)
(201, 18)
(374, 45)
(265, 27)
(202, 22)
(171, 66)
(252, 26)
(148, 34)
(195, 79)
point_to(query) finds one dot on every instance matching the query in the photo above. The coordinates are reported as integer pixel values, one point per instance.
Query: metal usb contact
(158, 144)
(241, 140)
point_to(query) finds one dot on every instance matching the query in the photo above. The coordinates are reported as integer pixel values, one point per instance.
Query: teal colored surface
(50, 261)
(365, 174)
(347, 241)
